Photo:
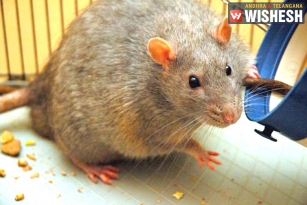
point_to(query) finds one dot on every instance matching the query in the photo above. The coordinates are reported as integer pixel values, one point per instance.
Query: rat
(136, 79)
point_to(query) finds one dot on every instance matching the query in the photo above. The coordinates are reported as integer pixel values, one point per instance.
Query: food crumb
(2, 173)
(63, 174)
(159, 201)
(50, 181)
(232, 179)
(80, 190)
(27, 168)
(6, 137)
(178, 195)
(22, 162)
(19, 196)
(30, 142)
(34, 175)
(58, 196)
(11, 148)
(193, 179)
(203, 202)
(73, 173)
(17, 177)
(50, 171)
(31, 156)
(259, 202)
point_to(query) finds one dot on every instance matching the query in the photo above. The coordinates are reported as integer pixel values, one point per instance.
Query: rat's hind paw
(105, 173)
(209, 158)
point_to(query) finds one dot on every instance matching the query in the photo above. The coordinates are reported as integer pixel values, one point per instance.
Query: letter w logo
(235, 16)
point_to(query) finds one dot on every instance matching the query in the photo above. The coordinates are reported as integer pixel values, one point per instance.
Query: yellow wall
(31, 29)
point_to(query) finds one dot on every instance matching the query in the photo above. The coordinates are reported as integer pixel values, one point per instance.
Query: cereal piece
(2, 173)
(22, 162)
(178, 195)
(31, 156)
(27, 168)
(193, 179)
(11, 148)
(34, 175)
(50, 171)
(63, 173)
(30, 142)
(19, 196)
(6, 137)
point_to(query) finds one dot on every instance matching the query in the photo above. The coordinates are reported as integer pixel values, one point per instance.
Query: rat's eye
(194, 82)
(228, 70)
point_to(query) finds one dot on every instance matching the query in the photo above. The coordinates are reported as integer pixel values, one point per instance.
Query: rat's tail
(7, 89)
(15, 99)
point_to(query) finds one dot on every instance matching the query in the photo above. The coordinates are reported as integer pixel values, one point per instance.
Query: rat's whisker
(168, 139)
(174, 147)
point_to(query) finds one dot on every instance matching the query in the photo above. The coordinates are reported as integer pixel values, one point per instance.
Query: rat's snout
(230, 115)
(222, 115)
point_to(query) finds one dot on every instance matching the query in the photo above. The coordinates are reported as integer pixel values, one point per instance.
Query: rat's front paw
(193, 148)
(207, 157)
(253, 72)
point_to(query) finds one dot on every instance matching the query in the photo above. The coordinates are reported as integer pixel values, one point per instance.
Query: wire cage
(31, 29)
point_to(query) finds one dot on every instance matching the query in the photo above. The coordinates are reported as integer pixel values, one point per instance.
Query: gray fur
(101, 96)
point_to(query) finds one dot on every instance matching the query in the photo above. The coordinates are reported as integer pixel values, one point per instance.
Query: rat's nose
(230, 115)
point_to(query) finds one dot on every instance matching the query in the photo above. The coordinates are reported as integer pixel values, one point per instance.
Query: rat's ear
(222, 32)
(160, 51)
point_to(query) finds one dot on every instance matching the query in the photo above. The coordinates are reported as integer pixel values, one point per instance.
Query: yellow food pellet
(31, 156)
(2, 173)
(34, 175)
(6, 137)
(19, 196)
(30, 142)
(178, 195)
(22, 162)
(63, 173)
